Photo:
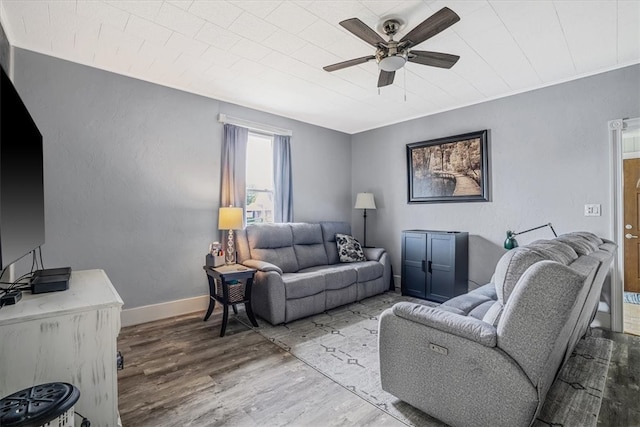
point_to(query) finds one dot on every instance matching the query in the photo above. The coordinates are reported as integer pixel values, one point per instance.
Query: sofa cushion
(469, 302)
(582, 242)
(301, 285)
(555, 251)
(608, 247)
(515, 262)
(336, 276)
(349, 249)
(591, 237)
(492, 315)
(488, 290)
(368, 270)
(329, 231)
(308, 245)
(509, 269)
(273, 243)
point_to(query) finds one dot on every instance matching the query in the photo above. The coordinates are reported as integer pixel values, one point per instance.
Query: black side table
(230, 285)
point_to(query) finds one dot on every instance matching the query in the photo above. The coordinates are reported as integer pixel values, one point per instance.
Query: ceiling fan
(392, 55)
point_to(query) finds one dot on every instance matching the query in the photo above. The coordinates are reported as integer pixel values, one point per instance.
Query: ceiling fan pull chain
(404, 71)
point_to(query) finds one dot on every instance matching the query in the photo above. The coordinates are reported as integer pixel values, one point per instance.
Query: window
(259, 178)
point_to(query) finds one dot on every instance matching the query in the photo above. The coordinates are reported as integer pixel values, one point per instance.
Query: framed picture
(451, 169)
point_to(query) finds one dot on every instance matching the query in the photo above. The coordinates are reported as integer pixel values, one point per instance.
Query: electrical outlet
(592, 210)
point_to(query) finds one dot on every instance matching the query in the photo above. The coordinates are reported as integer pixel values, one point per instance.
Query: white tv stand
(67, 336)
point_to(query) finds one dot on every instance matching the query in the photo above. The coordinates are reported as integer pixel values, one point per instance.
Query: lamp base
(230, 255)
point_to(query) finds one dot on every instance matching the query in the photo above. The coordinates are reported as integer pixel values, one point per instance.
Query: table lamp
(365, 201)
(230, 219)
(511, 242)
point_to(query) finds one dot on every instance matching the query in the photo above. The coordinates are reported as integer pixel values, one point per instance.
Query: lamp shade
(365, 201)
(510, 242)
(229, 218)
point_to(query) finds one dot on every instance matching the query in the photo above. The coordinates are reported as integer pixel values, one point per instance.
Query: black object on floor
(38, 405)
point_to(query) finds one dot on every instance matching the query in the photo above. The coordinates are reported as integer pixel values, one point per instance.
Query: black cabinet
(434, 264)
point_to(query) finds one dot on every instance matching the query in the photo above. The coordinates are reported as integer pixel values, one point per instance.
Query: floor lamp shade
(230, 219)
(365, 201)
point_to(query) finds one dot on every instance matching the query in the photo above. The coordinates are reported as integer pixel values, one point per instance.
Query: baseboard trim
(149, 313)
(602, 320)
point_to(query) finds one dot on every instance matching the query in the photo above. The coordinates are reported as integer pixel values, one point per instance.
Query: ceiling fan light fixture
(392, 63)
(391, 55)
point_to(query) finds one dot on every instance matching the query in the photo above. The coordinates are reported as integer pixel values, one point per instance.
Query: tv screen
(21, 178)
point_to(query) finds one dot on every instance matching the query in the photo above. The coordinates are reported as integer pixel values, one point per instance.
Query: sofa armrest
(373, 254)
(415, 369)
(261, 265)
(446, 321)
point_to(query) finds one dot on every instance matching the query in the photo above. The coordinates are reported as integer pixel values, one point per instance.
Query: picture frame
(450, 169)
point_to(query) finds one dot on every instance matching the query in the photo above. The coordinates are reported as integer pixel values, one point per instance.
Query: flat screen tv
(21, 178)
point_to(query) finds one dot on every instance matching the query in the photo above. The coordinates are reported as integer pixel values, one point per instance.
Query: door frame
(616, 128)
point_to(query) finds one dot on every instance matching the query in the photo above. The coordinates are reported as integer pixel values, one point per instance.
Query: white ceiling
(269, 55)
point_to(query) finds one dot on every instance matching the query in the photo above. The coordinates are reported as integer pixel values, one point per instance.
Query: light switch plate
(592, 210)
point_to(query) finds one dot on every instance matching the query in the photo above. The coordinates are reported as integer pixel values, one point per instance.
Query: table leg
(225, 304)
(212, 301)
(235, 309)
(212, 304)
(247, 305)
(225, 316)
(249, 310)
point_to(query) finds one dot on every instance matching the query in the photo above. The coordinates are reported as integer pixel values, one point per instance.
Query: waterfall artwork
(451, 169)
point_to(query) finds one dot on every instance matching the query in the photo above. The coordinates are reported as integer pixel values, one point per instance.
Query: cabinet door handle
(422, 266)
(429, 269)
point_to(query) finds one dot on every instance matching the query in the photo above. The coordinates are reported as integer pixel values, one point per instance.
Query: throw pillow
(349, 249)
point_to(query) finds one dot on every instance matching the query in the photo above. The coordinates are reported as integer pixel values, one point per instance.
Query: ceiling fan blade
(349, 63)
(386, 78)
(434, 59)
(439, 21)
(363, 31)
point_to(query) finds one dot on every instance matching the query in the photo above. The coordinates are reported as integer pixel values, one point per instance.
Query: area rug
(631, 298)
(575, 397)
(342, 344)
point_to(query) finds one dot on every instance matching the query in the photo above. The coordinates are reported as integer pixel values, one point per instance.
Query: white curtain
(283, 197)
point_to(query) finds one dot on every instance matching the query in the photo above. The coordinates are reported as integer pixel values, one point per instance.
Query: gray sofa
(488, 357)
(300, 273)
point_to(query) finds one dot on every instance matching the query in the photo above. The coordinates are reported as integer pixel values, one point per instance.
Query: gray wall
(549, 155)
(132, 175)
(132, 171)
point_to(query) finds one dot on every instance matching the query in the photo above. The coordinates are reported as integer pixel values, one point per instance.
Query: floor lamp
(365, 201)
(230, 219)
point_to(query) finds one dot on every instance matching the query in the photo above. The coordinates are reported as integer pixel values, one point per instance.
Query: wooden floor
(631, 318)
(179, 372)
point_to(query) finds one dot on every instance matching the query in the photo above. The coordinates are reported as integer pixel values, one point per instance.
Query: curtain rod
(223, 118)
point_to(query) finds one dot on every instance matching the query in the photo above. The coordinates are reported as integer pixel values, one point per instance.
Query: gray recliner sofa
(300, 273)
(489, 357)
